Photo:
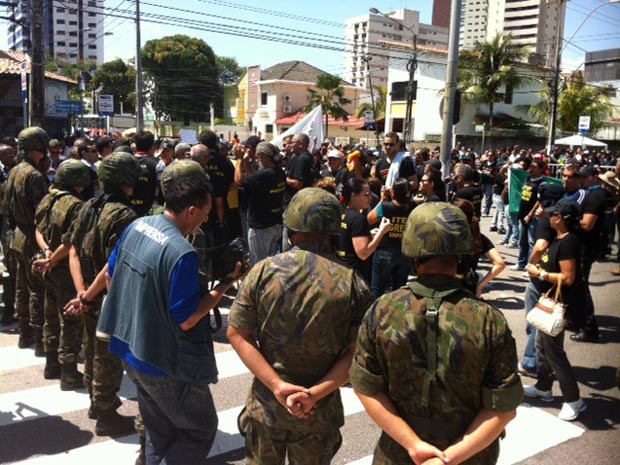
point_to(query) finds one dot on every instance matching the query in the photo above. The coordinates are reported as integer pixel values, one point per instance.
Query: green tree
(330, 95)
(183, 78)
(229, 71)
(72, 71)
(117, 79)
(581, 99)
(380, 103)
(488, 67)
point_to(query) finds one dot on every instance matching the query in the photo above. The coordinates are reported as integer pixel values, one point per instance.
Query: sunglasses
(388, 144)
(568, 176)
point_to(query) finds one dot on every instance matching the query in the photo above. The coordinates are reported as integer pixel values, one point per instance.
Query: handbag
(548, 314)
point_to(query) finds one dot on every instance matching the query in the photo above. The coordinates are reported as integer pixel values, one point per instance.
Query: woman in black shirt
(561, 261)
(390, 268)
(357, 244)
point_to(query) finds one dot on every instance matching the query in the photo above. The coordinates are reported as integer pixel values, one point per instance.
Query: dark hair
(186, 192)
(474, 224)
(401, 191)
(209, 139)
(102, 143)
(439, 187)
(392, 135)
(352, 186)
(374, 185)
(144, 140)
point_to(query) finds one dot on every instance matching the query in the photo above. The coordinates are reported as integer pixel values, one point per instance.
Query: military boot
(52, 367)
(141, 459)
(7, 316)
(26, 335)
(111, 423)
(70, 377)
(39, 348)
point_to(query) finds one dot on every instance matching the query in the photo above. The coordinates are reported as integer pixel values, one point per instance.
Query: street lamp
(412, 65)
(556, 74)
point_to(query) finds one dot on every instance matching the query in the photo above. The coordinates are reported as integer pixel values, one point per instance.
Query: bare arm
(76, 271)
(294, 183)
(497, 266)
(539, 249)
(566, 274)
(364, 246)
(40, 240)
(588, 221)
(207, 302)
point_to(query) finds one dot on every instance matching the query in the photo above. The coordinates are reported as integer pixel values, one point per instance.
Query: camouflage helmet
(437, 228)
(72, 173)
(33, 138)
(182, 169)
(313, 210)
(121, 169)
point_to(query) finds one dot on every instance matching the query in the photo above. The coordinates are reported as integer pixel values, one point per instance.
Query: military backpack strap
(433, 300)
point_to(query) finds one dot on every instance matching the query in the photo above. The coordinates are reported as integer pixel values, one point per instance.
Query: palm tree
(488, 67)
(330, 95)
(380, 104)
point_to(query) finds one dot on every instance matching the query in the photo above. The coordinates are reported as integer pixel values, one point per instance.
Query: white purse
(548, 314)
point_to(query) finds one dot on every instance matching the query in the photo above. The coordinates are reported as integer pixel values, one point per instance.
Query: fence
(556, 169)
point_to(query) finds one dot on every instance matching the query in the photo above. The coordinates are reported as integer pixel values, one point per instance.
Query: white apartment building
(533, 23)
(73, 29)
(364, 33)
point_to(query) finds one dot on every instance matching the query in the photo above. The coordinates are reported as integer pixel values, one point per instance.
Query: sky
(296, 21)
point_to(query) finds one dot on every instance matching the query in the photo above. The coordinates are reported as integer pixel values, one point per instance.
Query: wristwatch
(543, 275)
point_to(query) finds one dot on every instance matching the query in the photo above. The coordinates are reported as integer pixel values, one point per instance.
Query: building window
(92, 47)
(72, 23)
(92, 3)
(263, 98)
(509, 94)
(60, 33)
(399, 91)
(72, 44)
(92, 14)
(92, 36)
(73, 55)
(73, 33)
(60, 44)
(60, 21)
(60, 10)
(92, 25)
(269, 128)
(92, 57)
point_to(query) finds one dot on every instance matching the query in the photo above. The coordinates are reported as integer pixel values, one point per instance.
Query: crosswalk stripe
(14, 358)
(227, 439)
(31, 404)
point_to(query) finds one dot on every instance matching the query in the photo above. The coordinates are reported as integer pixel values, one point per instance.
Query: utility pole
(366, 60)
(36, 95)
(412, 65)
(139, 99)
(450, 89)
(556, 78)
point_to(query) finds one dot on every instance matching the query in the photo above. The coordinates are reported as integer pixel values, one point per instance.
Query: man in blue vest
(154, 316)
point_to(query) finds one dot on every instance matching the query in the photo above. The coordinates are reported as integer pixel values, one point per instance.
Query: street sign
(24, 76)
(71, 107)
(106, 105)
(369, 116)
(584, 124)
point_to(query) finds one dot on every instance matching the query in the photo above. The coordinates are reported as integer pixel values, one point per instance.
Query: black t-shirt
(529, 196)
(499, 183)
(382, 165)
(398, 217)
(567, 248)
(487, 172)
(468, 264)
(474, 195)
(354, 224)
(406, 168)
(594, 203)
(222, 173)
(302, 168)
(544, 230)
(145, 189)
(264, 190)
(326, 173)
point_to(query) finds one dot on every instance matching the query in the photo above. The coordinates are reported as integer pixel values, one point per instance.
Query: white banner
(311, 124)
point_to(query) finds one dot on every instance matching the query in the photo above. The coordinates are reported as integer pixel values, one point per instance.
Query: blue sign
(72, 107)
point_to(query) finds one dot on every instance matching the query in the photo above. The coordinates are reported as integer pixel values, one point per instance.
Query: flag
(311, 124)
(516, 180)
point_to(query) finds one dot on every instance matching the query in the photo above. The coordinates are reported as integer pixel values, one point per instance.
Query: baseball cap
(549, 194)
(252, 142)
(334, 154)
(588, 171)
(566, 208)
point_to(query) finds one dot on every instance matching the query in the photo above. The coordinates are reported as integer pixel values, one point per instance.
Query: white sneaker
(571, 410)
(532, 391)
(516, 267)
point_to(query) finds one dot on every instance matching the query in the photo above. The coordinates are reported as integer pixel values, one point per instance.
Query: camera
(224, 258)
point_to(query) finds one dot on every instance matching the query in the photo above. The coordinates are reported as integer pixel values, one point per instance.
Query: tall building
(441, 13)
(73, 28)
(533, 23)
(363, 36)
(603, 66)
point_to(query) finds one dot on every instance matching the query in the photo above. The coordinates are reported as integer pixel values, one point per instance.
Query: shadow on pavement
(508, 303)
(601, 379)
(234, 456)
(53, 436)
(603, 413)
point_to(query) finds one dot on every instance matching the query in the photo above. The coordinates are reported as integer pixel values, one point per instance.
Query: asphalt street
(39, 424)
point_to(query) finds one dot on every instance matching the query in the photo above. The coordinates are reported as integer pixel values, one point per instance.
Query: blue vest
(136, 308)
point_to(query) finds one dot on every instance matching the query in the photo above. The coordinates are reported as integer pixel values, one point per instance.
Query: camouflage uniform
(55, 217)
(8, 258)
(26, 187)
(306, 309)
(436, 351)
(103, 371)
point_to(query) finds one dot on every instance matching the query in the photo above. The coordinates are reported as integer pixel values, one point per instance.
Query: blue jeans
(488, 193)
(389, 267)
(264, 242)
(529, 361)
(499, 215)
(180, 419)
(527, 239)
(512, 227)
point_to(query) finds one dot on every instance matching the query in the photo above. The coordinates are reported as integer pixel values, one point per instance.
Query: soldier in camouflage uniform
(8, 160)
(55, 217)
(26, 186)
(304, 308)
(436, 368)
(93, 242)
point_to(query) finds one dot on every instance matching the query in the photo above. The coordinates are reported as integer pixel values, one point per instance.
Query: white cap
(334, 154)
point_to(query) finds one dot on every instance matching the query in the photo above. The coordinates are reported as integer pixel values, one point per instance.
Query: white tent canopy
(579, 141)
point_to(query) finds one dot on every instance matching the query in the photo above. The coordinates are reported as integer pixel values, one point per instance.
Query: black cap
(549, 194)
(569, 209)
(588, 171)
(435, 164)
(252, 142)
